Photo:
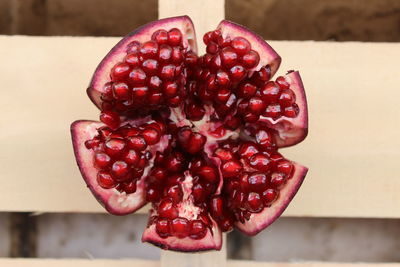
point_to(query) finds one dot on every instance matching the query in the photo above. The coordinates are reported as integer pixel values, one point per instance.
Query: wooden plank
(206, 14)
(352, 149)
(4, 262)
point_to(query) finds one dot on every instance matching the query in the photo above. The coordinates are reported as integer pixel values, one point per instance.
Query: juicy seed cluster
(254, 174)
(168, 181)
(225, 78)
(121, 155)
(151, 74)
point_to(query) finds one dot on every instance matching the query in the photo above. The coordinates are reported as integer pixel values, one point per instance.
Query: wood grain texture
(352, 149)
(147, 263)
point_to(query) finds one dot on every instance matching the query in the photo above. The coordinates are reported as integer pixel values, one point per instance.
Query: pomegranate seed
(215, 63)
(151, 136)
(155, 83)
(212, 48)
(269, 196)
(149, 49)
(167, 210)
(174, 37)
(175, 162)
(102, 160)
(237, 73)
(292, 111)
(180, 227)
(256, 105)
(155, 98)
(195, 111)
(238, 198)
(240, 45)
(175, 193)
(160, 37)
(251, 117)
(246, 90)
(133, 47)
(257, 181)
(244, 183)
(225, 224)
(250, 59)
(131, 157)
(110, 118)
(222, 79)
(196, 143)
(163, 227)
(254, 202)
(150, 66)
(105, 180)
(283, 84)
(119, 170)
(273, 111)
(158, 175)
(217, 207)
(232, 122)
(287, 98)
(223, 95)
(207, 37)
(277, 180)
(208, 173)
(175, 101)
(139, 93)
(191, 58)
(120, 71)
(107, 94)
(165, 53)
(264, 138)
(223, 42)
(260, 162)
(121, 91)
(114, 147)
(167, 72)
(177, 55)
(198, 193)
(137, 77)
(223, 154)
(137, 143)
(262, 76)
(228, 57)
(215, 35)
(129, 187)
(248, 149)
(89, 144)
(231, 168)
(152, 194)
(132, 59)
(286, 167)
(198, 229)
(270, 92)
(170, 89)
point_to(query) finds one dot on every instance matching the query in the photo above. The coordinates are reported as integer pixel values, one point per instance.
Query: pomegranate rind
(211, 241)
(112, 200)
(267, 54)
(291, 131)
(261, 220)
(142, 34)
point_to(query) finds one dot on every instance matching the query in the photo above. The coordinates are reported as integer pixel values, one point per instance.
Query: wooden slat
(352, 149)
(148, 263)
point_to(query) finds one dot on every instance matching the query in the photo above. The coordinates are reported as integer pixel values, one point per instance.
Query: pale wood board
(352, 149)
(147, 263)
(206, 14)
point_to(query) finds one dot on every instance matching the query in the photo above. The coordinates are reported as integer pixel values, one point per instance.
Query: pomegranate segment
(259, 221)
(104, 172)
(197, 136)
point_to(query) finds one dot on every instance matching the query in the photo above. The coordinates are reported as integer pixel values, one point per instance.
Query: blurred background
(289, 239)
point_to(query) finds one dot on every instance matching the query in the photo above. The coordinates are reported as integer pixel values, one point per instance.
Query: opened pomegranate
(195, 136)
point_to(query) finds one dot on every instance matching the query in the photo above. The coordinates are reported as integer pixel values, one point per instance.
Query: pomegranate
(195, 136)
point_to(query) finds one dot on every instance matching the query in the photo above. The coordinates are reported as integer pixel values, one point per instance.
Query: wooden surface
(147, 263)
(352, 149)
